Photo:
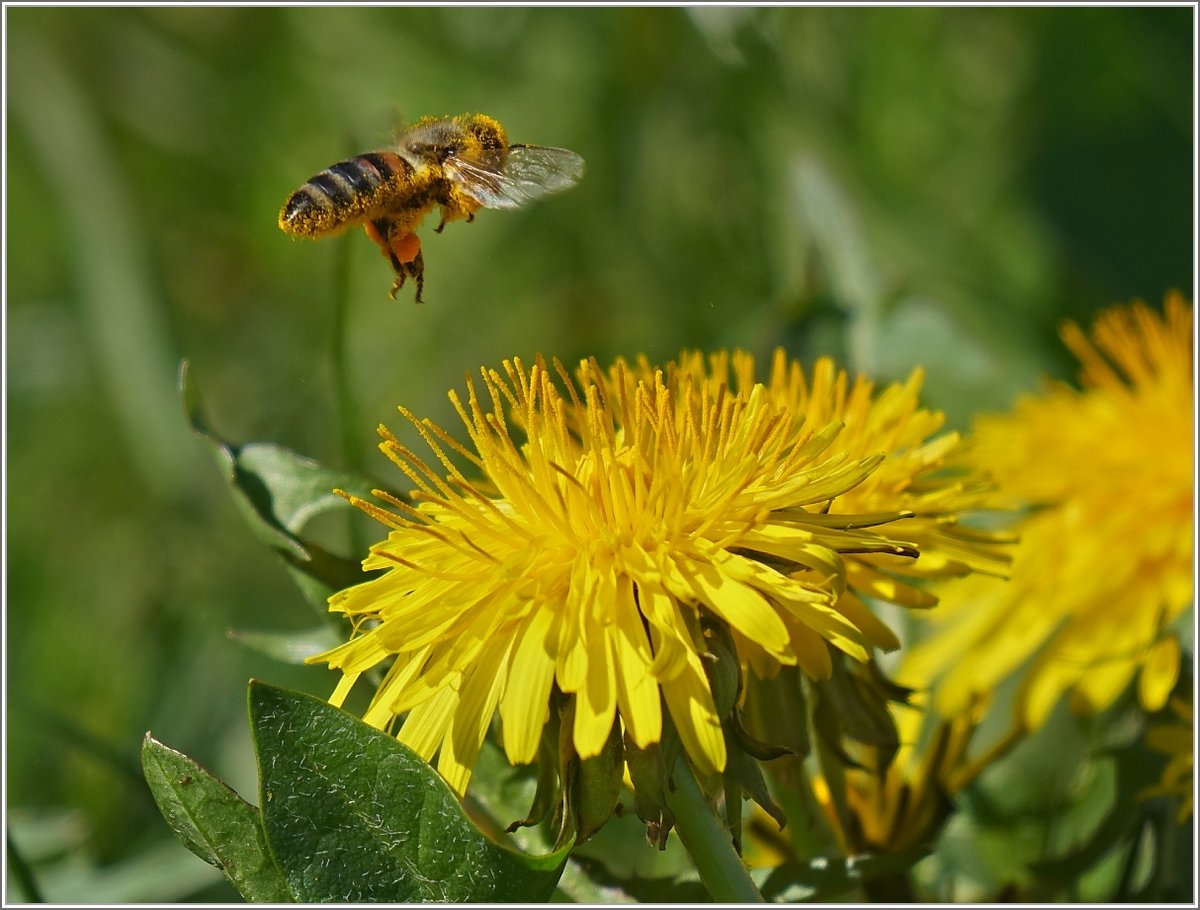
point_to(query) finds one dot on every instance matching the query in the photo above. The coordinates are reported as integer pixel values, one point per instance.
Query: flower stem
(708, 842)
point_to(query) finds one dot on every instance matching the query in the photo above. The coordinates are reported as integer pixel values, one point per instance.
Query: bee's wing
(529, 172)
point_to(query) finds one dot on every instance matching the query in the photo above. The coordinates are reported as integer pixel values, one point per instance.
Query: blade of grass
(121, 314)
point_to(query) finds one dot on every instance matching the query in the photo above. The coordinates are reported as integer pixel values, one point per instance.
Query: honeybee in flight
(459, 164)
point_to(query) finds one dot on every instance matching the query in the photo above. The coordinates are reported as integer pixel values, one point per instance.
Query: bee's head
(487, 132)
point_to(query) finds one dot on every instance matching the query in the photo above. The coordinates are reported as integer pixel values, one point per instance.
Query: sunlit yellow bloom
(1177, 740)
(1105, 561)
(922, 475)
(611, 519)
(903, 805)
(879, 804)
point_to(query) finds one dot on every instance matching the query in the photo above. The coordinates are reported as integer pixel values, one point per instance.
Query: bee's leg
(416, 268)
(451, 215)
(378, 231)
(403, 250)
(401, 275)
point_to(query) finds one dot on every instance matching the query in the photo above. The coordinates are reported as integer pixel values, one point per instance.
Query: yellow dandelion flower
(1105, 561)
(923, 476)
(883, 800)
(619, 516)
(902, 805)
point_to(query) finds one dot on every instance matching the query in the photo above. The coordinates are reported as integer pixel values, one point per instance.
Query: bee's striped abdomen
(344, 193)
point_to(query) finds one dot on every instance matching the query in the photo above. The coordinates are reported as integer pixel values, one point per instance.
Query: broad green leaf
(1126, 819)
(294, 489)
(279, 492)
(213, 822)
(354, 816)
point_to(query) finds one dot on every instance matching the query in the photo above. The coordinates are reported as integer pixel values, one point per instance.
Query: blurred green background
(893, 186)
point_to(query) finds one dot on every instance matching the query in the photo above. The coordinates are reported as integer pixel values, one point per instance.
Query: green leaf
(1112, 788)
(648, 773)
(288, 647)
(829, 217)
(279, 492)
(289, 489)
(596, 785)
(744, 774)
(354, 816)
(213, 822)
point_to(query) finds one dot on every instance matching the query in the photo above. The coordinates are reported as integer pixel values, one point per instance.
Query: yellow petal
(690, 704)
(811, 651)
(671, 644)
(637, 688)
(426, 725)
(355, 656)
(530, 674)
(345, 684)
(596, 701)
(740, 605)
(866, 580)
(395, 687)
(873, 628)
(1103, 682)
(472, 717)
(1159, 673)
(798, 601)
(572, 651)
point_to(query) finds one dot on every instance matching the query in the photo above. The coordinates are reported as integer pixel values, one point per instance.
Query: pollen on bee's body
(307, 213)
(341, 193)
